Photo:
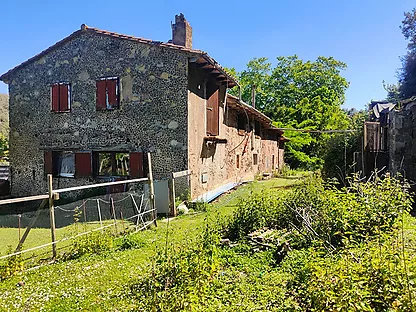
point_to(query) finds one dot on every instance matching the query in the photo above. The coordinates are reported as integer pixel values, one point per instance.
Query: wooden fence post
(172, 196)
(114, 214)
(99, 213)
(52, 215)
(152, 189)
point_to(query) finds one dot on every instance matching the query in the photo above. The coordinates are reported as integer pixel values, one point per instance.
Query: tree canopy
(407, 75)
(299, 94)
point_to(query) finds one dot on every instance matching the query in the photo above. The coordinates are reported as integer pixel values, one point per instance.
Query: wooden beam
(200, 65)
(31, 224)
(181, 174)
(23, 199)
(83, 187)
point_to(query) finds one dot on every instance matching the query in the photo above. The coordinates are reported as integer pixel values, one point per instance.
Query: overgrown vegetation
(314, 247)
(343, 250)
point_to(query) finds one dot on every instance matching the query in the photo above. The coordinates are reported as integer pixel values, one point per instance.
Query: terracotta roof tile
(85, 28)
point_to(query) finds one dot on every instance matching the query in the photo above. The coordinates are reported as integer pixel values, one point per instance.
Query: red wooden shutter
(213, 114)
(101, 94)
(48, 164)
(83, 166)
(136, 165)
(63, 97)
(55, 98)
(112, 92)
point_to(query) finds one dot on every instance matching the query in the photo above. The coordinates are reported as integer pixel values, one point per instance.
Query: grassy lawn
(98, 282)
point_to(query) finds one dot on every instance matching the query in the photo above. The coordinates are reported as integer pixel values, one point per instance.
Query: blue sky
(364, 34)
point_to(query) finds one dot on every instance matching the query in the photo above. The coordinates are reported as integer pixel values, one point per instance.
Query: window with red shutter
(107, 94)
(61, 97)
(48, 163)
(213, 114)
(83, 164)
(101, 94)
(55, 97)
(136, 165)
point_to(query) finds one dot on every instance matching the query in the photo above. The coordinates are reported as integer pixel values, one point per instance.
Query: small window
(63, 164)
(273, 166)
(255, 160)
(67, 164)
(61, 97)
(112, 164)
(107, 96)
(238, 162)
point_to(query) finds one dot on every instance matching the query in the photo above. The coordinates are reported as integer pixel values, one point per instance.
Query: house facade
(91, 106)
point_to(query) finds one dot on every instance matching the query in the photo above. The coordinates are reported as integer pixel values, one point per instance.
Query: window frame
(108, 107)
(57, 161)
(69, 97)
(113, 164)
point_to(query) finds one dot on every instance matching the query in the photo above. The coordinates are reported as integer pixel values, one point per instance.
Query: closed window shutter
(136, 165)
(101, 94)
(112, 92)
(209, 117)
(55, 98)
(83, 166)
(48, 164)
(213, 114)
(63, 97)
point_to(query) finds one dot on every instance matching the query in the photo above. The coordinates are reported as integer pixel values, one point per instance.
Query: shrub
(128, 241)
(318, 214)
(370, 277)
(180, 276)
(92, 243)
(11, 267)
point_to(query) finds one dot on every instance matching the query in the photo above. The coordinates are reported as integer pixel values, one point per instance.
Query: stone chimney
(182, 32)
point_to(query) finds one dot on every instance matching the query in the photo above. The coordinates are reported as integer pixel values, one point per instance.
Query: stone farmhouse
(91, 106)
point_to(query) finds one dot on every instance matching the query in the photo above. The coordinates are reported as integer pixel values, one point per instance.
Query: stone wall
(218, 162)
(152, 116)
(402, 143)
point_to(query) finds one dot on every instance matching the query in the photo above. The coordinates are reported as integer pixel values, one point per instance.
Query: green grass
(98, 282)
(9, 238)
(248, 281)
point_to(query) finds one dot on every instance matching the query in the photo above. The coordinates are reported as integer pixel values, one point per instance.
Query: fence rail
(133, 210)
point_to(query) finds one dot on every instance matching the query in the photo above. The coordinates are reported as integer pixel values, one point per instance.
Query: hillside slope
(4, 114)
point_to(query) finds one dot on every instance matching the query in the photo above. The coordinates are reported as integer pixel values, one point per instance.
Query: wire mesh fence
(79, 211)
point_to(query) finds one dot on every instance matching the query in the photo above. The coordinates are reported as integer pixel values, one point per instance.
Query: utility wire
(316, 131)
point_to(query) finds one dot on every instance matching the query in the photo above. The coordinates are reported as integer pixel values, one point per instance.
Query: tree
(302, 95)
(407, 76)
(340, 147)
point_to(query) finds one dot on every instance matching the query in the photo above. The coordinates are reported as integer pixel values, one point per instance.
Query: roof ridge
(85, 28)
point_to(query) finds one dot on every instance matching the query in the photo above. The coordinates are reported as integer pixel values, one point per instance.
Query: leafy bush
(180, 276)
(370, 277)
(319, 214)
(198, 205)
(11, 267)
(347, 249)
(128, 241)
(92, 243)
